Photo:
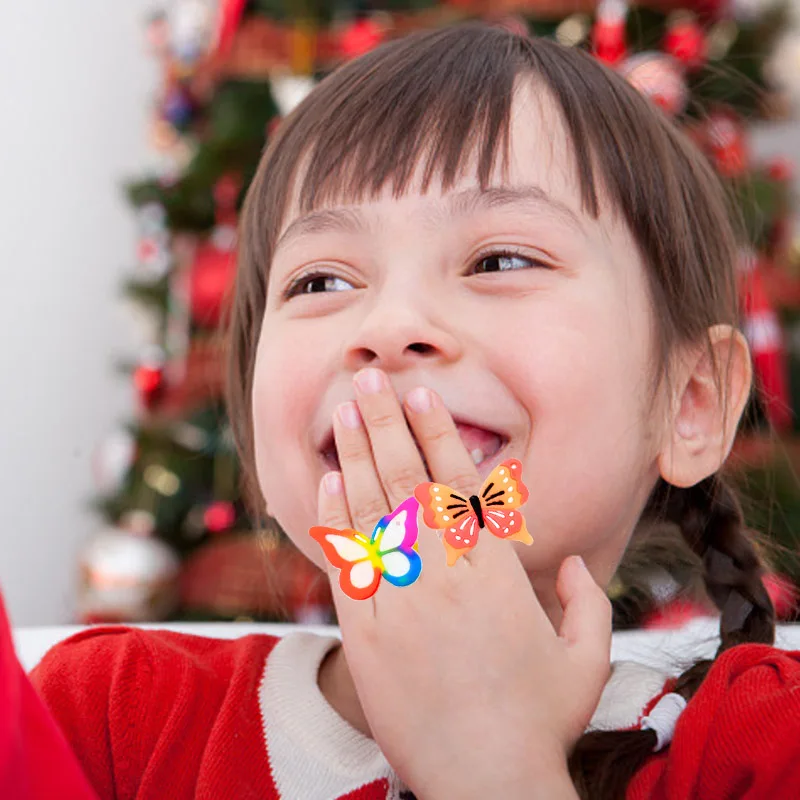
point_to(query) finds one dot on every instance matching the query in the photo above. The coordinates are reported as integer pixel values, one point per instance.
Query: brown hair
(440, 98)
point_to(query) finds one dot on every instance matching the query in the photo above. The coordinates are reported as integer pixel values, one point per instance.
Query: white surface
(671, 650)
(75, 94)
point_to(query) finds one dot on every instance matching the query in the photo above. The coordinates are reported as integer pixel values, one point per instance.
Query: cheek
(286, 389)
(582, 374)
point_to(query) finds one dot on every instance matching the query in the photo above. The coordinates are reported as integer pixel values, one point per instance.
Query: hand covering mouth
(481, 443)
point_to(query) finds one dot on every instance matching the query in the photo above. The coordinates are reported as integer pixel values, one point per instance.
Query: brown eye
(504, 262)
(316, 283)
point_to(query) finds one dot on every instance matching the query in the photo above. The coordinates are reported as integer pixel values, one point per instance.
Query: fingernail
(349, 414)
(370, 381)
(581, 563)
(420, 399)
(333, 482)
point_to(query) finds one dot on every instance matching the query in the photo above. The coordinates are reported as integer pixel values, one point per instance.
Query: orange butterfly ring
(496, 508)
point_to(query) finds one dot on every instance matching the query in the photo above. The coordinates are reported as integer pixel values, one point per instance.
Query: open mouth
(481, 443)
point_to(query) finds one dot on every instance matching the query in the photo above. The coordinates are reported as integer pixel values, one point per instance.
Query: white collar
(316, 755)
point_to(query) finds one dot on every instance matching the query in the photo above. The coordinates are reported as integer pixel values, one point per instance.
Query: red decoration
(149, 382)
(243, 574)
(781, 169)
(764, 334)
(660, 78)
(608, 33)
(360, 37)
(784, 595)
(147, 250)
(726, 141)
(675, 614)
(230, 18)
(226, 194)
(686, 41)
(219, 516)
(210, 282)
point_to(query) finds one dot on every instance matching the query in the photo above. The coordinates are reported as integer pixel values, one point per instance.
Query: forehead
(539, 171)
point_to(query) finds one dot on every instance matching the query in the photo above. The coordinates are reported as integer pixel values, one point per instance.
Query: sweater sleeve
(97, 684)
(739, 736)
(36, 761)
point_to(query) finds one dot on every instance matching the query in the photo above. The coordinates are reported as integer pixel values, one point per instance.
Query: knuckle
(353, 450)
(442, 435)
(402, 481)
(382, 419)
(368, 513)
(337, 519)
(464, 482)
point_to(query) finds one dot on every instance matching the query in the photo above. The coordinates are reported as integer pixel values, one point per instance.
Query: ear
(706, 413)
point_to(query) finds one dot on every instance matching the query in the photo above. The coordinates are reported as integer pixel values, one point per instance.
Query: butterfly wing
(354, 556)
(444, 509)
(440, 504)
(394, 538)
(460, 538)
(501, 496)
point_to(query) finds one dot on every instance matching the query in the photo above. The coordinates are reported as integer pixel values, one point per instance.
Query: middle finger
(398, 463)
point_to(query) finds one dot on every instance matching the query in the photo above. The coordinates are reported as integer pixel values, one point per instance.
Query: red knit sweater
(123, 713)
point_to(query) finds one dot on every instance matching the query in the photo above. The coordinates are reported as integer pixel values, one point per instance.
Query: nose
(398, 337)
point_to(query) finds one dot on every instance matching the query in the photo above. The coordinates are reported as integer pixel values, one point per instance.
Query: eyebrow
(459, 204)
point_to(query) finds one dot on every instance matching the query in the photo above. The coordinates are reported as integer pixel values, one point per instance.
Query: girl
(514, 256)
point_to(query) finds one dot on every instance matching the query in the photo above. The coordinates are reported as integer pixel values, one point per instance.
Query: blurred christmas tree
(179, 542)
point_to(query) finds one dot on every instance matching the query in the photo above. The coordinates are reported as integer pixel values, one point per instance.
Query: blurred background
(130, 133)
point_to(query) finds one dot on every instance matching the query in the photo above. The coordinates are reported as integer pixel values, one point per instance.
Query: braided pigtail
(712, 524)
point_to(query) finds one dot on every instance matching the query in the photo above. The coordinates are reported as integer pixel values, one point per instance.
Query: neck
(337, 687)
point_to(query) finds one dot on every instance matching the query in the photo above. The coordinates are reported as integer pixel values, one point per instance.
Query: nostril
(420, 347)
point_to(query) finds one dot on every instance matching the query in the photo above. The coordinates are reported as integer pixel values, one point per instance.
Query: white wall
(75, 88)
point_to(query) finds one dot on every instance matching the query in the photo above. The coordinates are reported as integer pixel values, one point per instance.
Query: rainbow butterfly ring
(390, 553)
(495, 508)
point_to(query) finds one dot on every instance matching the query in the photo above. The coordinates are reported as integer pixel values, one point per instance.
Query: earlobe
(709, 400)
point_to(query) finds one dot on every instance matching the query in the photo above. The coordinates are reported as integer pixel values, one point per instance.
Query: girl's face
(529, 318)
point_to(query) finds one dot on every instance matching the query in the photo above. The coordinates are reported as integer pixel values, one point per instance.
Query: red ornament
(658, 77)
(360, 37)
(230, 18)
(226, 193)
(675, 614)
(726, 141)
(765, 337)
(608, 33)
(781, 169)
(686, 41)
(149, 382)
(784, 595)
(210, 281)
(219, 516)
(147, 251)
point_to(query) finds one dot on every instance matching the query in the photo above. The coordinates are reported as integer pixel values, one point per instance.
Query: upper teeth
(477, 455)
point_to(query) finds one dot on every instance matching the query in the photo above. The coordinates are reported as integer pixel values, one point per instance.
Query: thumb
(586, 622)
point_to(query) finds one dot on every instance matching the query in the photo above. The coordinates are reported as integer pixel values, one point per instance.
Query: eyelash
(304, 280)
